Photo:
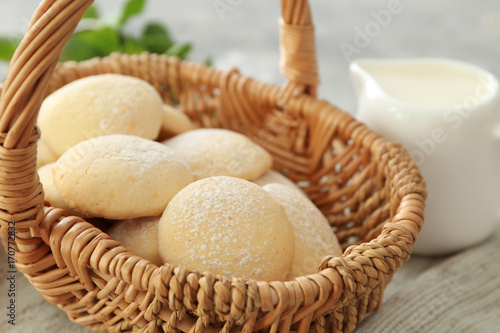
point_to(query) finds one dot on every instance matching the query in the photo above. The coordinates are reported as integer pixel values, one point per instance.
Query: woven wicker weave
(369, 189)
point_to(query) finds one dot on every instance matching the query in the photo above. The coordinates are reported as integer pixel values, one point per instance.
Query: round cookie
(274, 177)
(51, 194)
(120, 177)
(173, 122)
(219, 152)
(314, 238)
(44, 154)
(139, 236)
(228, 226)
(99, 105)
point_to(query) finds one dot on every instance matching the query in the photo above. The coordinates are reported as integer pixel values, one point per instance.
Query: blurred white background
(246, 36)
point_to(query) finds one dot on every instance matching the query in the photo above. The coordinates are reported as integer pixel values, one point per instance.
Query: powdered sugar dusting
(100, 105)
(120, 176)
(314, 237)
(219, 152)
(140, 154)
(228, 226)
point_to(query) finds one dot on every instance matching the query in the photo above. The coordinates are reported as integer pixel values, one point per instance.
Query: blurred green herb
(8, 46)
(99, 36)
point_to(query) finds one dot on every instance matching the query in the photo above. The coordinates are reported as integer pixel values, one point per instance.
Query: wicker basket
(369, 189)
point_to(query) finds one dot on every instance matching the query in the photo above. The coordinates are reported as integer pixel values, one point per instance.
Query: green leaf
(91, 13)
(132, 46)
(156, 38)
(77, 50)
(179, 50)
(208, 62)
(8, 47)
(92, 43)
(131, 8)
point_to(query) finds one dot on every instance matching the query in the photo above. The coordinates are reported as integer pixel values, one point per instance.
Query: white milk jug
(446, 113)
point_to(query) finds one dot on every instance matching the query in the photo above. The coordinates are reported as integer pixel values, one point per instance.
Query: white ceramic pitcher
(446, 113)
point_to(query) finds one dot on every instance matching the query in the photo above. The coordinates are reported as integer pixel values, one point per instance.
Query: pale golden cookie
(120, 177)
(99, 105)
(139, 236)
(228, 226)
(174, 122)
(44, 154)
(220, 152)
(314, 238)
(51, 194)
(273, 177)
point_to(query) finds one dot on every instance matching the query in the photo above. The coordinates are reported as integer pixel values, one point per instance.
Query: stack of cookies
(204, 199)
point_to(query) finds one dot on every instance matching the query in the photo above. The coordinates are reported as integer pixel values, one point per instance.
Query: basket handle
(298, 60)
(31, 67)
(53, 24)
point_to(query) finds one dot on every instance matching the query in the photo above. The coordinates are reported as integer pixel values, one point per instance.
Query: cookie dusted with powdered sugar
(227, 226)
(314, 238)
(218, 152)
(120, 177)
(100, 105)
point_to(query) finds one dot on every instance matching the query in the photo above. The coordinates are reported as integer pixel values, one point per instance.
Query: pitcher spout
(364, 83)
